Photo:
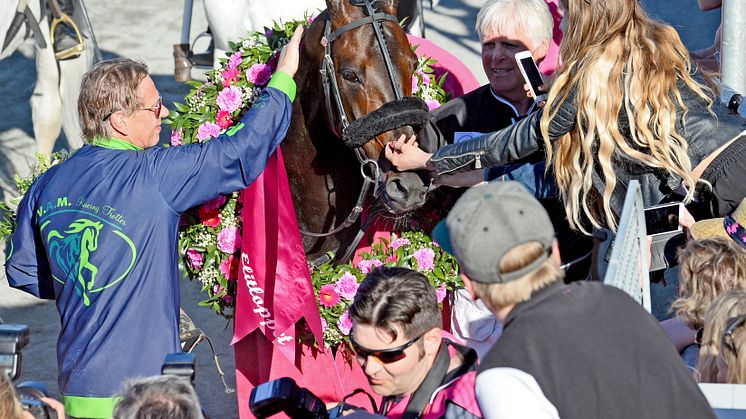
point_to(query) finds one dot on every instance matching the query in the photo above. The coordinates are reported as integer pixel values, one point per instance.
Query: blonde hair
(618, 61)
(709, 268)
(9, 406)
(109, 86)
(496, 296)
(723, 308)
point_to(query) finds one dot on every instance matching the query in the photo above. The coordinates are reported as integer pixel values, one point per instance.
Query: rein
(331, 91)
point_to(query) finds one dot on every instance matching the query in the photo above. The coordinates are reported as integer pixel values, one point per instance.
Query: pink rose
(432, 104)
(229, 268)
(366, 266)
(229, 240)
(328, 297)
(229, 76)
(230, 99)
(415, 83)
(195, 258)
(425, 258)
(176, 138)
(347, 286)
(259, 74)
(324, 325)
(345, 323)
(440, 293)
(207, 130)
(235, 60)
(216, 289)
(401, 241)
(224, 119)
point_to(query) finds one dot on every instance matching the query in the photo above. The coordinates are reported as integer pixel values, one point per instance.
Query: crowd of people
(627, 102)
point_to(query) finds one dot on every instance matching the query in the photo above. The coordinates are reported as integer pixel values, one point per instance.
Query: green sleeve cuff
(284, 83)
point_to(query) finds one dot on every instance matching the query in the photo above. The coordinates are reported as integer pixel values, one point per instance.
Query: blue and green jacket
(98, 233)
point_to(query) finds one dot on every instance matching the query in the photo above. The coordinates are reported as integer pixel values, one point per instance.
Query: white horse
(230, 20)
(55, 96)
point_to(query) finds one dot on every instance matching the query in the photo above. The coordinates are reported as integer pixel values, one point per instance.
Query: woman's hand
(405, 154)
(290, 53)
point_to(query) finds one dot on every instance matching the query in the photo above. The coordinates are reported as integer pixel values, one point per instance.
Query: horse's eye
(349, 75)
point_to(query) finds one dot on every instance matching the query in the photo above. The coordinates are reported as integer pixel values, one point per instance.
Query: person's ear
(432, 339)
(118, 123)
(556, 252)
(541, 51)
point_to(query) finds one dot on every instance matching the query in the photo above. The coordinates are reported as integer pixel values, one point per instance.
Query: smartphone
(531, 74)
(664, 218)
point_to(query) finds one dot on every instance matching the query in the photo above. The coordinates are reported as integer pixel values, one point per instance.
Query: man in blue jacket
(98, 232)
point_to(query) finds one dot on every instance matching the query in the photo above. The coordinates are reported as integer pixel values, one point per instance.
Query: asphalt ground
(146, 30)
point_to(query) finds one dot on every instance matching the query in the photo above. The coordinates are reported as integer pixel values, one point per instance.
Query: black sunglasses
(384, 356)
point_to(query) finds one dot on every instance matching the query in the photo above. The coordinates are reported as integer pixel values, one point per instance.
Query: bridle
(331, 92)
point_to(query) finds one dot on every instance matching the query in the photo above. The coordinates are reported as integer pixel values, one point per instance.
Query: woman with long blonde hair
(627, 104)
(722, 357)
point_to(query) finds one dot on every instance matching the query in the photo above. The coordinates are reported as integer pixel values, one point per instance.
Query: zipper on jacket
(477, 161)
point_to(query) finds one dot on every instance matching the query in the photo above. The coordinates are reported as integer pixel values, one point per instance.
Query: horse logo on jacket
(72, 252)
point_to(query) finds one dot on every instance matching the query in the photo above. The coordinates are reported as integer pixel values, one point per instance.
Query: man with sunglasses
(98, 232)
(397, 337)
(581, 350)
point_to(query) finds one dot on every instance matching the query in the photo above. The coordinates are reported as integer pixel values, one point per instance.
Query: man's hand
(405, 154)
(290, 53)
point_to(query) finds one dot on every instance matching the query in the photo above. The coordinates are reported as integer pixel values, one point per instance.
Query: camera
(13, 338)
(30, 394)
(284, 395)
(180, 364)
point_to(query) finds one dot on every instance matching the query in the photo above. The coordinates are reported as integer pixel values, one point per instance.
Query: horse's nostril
(396, 189)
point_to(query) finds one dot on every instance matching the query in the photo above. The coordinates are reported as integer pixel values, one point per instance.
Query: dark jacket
(704, 133)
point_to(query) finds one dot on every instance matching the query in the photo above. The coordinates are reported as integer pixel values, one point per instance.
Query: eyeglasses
(384, 356)
(731, 325)
(156, 109)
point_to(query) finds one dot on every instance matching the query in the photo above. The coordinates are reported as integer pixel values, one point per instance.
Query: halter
(331, 91)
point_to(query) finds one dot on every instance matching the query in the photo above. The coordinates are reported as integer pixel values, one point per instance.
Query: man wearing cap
(582, 350)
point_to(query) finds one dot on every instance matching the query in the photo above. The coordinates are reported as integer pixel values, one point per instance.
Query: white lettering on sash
(256, 291)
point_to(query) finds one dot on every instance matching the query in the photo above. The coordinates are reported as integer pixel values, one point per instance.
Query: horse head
(355, 59)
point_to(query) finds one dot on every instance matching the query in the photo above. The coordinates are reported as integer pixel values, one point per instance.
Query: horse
(232, 19)
(55, 95)
(343, 76)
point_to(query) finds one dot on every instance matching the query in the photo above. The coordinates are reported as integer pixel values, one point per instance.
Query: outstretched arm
(512, 143)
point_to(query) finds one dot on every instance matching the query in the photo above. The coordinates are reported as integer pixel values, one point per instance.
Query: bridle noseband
(331, 92)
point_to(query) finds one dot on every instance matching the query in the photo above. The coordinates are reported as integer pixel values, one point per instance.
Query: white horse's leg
(46, 103)
(71, 72)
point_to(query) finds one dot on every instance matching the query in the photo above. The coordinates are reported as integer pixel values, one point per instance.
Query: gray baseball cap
(487, 222)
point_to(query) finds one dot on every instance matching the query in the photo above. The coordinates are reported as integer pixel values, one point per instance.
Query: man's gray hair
(530, 17)
(161, 396)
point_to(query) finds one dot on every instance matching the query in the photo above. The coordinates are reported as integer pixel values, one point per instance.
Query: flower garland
(210, 235)
(336, 285)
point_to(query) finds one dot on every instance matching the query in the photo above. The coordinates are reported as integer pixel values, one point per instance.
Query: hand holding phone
(664, 230)
(531, 74)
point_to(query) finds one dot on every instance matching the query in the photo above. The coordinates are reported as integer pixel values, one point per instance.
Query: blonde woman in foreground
(627, 104)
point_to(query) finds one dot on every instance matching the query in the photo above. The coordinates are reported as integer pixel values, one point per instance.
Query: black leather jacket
(703, 132)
